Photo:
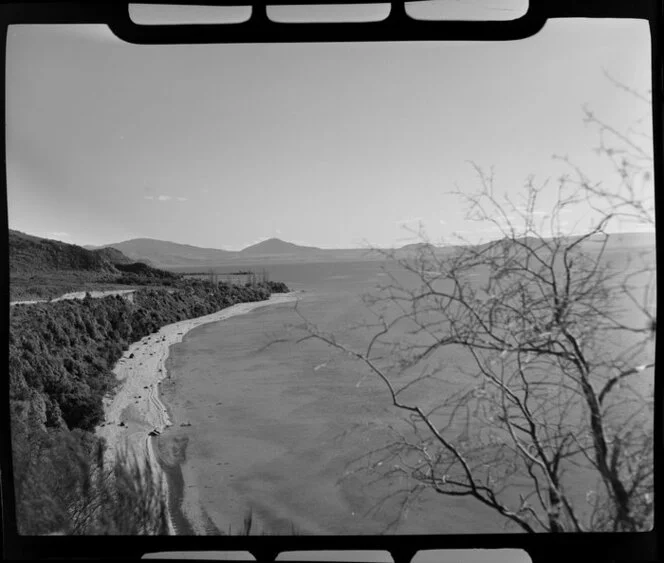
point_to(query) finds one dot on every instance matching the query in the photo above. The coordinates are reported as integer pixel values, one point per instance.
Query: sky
(328, 145)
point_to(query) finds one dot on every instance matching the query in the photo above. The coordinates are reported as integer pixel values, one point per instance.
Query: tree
(540, 344)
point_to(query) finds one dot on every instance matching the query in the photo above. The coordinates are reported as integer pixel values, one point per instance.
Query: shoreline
(136, 408)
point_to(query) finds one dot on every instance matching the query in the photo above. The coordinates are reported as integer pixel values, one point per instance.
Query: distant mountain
(185, 257)
(278, 246)
(625, 240)
(419, 246)
(621, 242)
(166, 254)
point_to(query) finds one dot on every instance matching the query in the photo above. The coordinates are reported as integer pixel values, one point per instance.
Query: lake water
(279, 427)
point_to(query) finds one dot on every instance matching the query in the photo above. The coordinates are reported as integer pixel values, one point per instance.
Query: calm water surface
(278, 427)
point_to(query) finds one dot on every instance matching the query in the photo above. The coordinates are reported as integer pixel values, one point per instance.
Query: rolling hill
(613, 241)
(419, 246)
(167, 254)
(624, 240)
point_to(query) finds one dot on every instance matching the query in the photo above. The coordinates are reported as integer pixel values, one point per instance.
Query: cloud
(163, 197)
(442, 222)
(59, 235)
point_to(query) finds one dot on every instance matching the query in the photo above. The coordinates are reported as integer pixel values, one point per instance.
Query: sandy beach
(136, 410)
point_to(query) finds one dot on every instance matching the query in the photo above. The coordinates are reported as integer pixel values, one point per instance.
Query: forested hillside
(42, 269)
(32, 255)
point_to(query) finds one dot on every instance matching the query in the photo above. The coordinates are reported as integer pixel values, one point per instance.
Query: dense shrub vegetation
(143, 271)
(277, 287)
(138, 273)
(61, 357)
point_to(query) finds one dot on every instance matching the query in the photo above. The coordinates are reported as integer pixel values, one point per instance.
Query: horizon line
(458, 242)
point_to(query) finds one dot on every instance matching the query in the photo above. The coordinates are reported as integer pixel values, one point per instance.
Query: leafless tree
(531, 353)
